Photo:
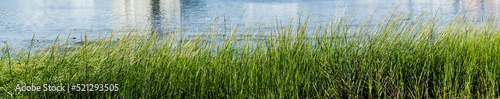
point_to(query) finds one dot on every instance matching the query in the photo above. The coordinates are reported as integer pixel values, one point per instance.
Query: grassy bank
(419, 57)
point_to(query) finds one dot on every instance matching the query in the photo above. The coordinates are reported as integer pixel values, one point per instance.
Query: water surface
(20, 19)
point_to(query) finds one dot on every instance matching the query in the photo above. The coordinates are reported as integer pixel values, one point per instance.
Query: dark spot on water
(73, 38)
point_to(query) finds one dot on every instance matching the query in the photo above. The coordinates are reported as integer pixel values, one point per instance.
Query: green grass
(417, 58)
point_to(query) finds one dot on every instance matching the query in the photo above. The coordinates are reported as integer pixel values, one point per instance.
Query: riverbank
(416, 58)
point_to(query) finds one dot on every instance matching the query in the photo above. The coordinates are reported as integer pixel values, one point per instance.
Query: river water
(21, 19)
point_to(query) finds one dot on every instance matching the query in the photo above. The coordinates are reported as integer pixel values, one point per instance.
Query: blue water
(21, 19)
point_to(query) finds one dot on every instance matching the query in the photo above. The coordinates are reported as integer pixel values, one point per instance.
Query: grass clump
(416, 58)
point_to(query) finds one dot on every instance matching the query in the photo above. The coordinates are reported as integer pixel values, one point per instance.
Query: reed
(417, 58)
